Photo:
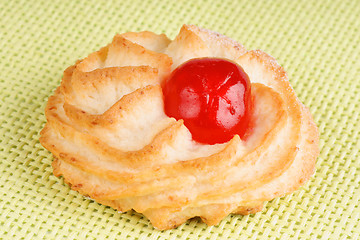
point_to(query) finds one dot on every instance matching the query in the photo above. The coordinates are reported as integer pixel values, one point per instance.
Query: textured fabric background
(318, 43)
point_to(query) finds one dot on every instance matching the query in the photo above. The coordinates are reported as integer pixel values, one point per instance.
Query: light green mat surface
(318, 43)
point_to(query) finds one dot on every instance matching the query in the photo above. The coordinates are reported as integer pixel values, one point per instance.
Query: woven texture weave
(318, 43)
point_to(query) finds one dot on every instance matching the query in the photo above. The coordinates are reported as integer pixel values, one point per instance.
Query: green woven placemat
(318, 43)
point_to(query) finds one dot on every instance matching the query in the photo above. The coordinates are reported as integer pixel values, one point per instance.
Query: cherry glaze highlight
(212, 96)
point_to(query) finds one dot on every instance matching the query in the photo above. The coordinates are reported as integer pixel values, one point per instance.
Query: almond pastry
(113, 142)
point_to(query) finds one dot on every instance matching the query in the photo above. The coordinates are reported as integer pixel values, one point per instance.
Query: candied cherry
(212, 96)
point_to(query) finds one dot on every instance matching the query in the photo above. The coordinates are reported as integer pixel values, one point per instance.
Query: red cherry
(212, 96)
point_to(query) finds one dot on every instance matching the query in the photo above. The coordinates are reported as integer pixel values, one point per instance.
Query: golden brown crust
(111, 140)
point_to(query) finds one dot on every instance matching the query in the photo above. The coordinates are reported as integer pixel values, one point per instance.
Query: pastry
(113, 141)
